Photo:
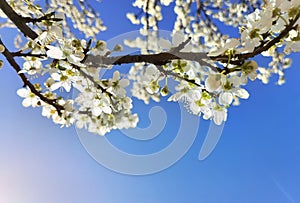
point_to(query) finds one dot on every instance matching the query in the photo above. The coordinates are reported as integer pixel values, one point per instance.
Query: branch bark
(14, 64)
(156, 59)
(17, 20)
(264, 47)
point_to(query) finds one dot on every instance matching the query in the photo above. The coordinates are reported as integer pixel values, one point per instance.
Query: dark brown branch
(147, 15)
(166, 57)
(17, 20)
(20, 54)
(96, 84)
(258, 50)
(45, 17)
(156, 59)
(10, 58)
(274, 41)
(172, 74)
(181, 46)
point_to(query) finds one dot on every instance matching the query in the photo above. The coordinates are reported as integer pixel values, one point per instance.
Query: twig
(13, 63)
(17, 20)
(175, 50)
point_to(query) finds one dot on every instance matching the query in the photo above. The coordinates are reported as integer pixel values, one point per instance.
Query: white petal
(116, 76)
(225, 98)
(124, 83)
(55, 86)
(55, 52)
(55, 76)
(96, 111)
(23, 92)
(195, 108)
(295, 46)
(241, 93)
(67, 85)
(207, 113)
(232, 43)
(106, 109)
(211, 83)
(220, 116)
(73, 59)
(26, 102)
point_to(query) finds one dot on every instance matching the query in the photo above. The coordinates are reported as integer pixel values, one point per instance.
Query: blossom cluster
(100, 104)
(208, 86)
(212, 92)
(83, 17)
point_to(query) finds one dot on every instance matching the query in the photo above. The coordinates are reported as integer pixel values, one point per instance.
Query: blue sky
(256, 160)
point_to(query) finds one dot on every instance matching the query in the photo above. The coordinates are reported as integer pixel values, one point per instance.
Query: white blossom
(30, 99)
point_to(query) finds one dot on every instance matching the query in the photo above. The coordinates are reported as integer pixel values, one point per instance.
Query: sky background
(256, 160)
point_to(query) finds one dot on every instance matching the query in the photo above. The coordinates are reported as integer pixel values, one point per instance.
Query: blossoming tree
(210, 68)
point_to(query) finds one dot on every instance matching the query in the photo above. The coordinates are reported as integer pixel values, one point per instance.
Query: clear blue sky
(257, 159)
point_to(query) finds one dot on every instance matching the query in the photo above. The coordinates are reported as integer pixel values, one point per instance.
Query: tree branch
(156, 59)
(264, 47)
(17, 20)
(10, 58)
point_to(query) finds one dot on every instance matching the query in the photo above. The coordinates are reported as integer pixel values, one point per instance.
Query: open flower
(30, 99)
(219, 115)
(61, 81)
(31, 66)
(101, 104)
(213, 82)
(117, 85)
(225, 98)
(229, 44)
(66, 51)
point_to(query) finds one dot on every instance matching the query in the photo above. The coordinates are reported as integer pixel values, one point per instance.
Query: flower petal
(55, 52)
(23, 92)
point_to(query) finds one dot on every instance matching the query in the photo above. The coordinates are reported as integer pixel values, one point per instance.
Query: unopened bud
(2, 48)
(164, 91)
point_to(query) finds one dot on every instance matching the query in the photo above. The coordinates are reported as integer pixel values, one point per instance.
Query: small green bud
(293, 11)
(118, 47)
(154, 85)
(276, 12)
(164, 91)
(199, 103)
(228, 86)
(38, 87)
(63, 78)
(100, 45)
(249, 66)
(76, 43)
(205, 95)
(254, 33)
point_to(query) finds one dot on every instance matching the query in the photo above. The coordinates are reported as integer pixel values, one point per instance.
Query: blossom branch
(45, 17)
(10, 58)
(172, 74)
(156, 59)
(17, 20)
(240, 58)
(20, 54)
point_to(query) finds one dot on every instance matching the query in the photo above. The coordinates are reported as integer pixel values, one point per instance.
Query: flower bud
(2, 48)
(164, 91)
